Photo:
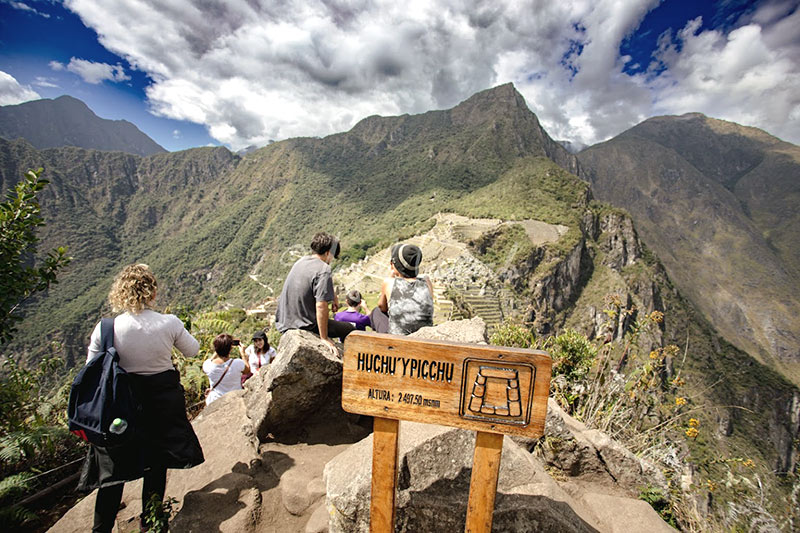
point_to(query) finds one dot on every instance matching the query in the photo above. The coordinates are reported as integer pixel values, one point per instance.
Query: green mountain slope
(221, 229)
(717, 202)
(66, 121)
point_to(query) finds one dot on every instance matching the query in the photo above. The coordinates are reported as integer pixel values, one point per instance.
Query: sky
(247, 72)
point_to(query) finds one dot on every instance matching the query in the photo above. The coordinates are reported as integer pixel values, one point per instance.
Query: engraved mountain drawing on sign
(496, 391)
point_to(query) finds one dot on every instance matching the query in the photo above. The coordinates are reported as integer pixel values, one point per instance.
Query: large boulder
(304, 379)
(592, 456)
(471, 331)
(435, 465)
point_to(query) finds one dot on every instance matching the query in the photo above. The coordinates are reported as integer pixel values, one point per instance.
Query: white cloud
(42, 81)
(294, 68)
(91, 71)
(750, 75)
(176, 134)
(22, 6)
(11, 92)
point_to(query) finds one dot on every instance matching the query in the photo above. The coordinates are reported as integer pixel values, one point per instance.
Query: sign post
(493, 390)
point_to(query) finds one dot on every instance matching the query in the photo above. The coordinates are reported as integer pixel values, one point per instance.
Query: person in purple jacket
(351, 314)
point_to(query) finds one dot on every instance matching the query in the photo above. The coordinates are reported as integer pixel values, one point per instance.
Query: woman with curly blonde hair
(144, 339)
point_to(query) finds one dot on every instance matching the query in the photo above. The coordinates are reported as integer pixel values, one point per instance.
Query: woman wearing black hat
(406, 298)
(260, 353)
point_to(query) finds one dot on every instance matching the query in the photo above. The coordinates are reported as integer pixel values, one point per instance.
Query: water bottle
(118, 426)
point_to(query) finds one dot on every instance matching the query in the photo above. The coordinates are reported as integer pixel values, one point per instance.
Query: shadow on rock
(232, 503)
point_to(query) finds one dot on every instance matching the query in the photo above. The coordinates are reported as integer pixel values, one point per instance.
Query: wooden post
(493, 390)
(384, 475)
(483, 485)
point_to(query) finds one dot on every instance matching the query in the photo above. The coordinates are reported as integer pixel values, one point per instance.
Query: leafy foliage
(20, 216)
(513, 335)
(156, 514)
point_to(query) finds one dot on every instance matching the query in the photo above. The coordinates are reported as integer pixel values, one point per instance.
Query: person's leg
(379, 320)
(106, 506)
(339, 329)
(154, 485)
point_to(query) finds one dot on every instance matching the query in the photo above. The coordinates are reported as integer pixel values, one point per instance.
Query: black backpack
(100, 394)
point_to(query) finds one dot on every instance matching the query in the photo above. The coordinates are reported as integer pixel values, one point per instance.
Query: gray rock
(435, 465)
(318, 523)
(304, 377)
(471, 331)
(591, 455)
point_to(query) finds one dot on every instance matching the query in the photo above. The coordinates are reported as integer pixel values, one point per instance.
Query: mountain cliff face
(66, 121)
(717, 202)
(222, 229)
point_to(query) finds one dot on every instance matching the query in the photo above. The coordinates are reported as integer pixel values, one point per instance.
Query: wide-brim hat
(259, 335)
(406, 258)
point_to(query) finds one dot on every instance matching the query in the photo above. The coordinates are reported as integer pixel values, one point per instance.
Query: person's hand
(363, 305)
(241, 351)
(332, 346)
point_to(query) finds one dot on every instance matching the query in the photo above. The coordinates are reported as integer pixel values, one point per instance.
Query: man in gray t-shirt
(308, 290)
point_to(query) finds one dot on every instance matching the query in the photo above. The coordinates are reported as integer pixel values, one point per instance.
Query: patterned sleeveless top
(410, 306)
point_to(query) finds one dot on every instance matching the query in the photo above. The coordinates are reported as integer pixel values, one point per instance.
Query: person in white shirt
(225, 374)
(144, 339)
(260, 353)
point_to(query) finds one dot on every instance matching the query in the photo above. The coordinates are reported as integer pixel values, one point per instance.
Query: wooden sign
(493, 390)
(470, 386)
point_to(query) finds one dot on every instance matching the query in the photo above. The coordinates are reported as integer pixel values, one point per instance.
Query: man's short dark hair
(322, 242)
(222, 344)
(353, 298)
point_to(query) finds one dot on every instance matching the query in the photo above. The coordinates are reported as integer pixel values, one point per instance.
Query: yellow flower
(692, 433)
(654, 354)
(693, 422)
(680, 401)
(678, 382)
(711, 485)
(749, 463)
(657, 317)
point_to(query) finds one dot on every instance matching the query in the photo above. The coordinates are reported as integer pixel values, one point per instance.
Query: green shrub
(573, 354)
(513, 335)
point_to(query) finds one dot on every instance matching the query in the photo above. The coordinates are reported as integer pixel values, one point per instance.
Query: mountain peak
(68, 121)
(497, 102)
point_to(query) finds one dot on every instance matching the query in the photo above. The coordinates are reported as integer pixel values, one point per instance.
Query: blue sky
(225, 72)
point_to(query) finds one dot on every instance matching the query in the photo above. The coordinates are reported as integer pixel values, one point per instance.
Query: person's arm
(383, 299)
(364, 307)
(184, 341)
(243, 356)
(430, 287)
(94, 344)
(322, 320)
(335, 302)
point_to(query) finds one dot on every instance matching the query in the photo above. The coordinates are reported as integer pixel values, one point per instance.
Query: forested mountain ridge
(718, 202)
(222, 229)
(66, 121)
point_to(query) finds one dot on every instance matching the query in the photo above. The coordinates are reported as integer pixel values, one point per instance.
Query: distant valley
(222, 229)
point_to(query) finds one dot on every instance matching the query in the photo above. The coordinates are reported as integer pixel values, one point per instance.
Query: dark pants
(379, 320)
(336, 328)
(109, 498)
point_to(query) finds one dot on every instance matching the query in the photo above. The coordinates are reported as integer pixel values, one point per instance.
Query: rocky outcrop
(281, 483)
(304, 377)
(469, 331)
(435, 464)
(222, 494)
(591, 455)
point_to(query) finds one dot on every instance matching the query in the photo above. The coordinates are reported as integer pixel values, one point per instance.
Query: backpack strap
(106, 333)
